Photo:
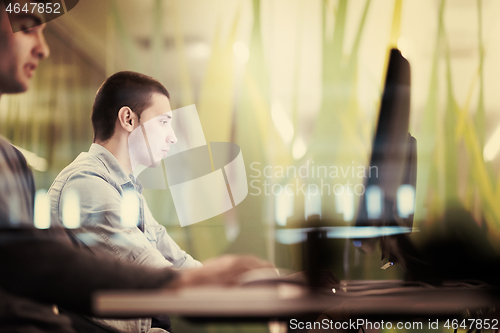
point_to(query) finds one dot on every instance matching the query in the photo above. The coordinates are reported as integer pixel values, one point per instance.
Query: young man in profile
(102, 176)
(40, 268)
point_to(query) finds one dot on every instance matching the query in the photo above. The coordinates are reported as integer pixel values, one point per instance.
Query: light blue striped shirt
(100, 182)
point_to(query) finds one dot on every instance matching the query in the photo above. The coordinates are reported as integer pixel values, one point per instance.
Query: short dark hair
(122, 89)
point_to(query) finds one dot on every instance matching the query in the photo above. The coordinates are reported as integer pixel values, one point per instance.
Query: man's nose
(41, 49)
(171, 138)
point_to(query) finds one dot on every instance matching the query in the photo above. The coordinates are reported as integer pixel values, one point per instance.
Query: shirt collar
(136, 182)
(112, 165)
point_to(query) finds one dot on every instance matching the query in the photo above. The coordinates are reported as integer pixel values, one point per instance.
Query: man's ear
(127, 119)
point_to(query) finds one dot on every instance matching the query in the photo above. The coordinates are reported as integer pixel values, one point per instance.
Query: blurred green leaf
(427, 134)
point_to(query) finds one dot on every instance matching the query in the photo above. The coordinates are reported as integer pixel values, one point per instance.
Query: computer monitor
(389, 199)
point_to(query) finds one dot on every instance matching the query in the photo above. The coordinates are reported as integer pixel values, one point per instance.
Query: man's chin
(155, 164)
(15, 88)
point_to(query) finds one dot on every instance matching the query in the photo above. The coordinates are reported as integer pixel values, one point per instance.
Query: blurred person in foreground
(39, 268)
(102, 177)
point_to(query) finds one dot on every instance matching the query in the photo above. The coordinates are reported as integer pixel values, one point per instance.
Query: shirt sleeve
(17, 188)
(101, 227)
(166, 245)
(58, 273)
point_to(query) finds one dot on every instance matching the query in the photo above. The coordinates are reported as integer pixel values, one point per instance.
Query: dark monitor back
(393, 158)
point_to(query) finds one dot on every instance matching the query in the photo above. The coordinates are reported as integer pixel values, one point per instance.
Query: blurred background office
(295, 84)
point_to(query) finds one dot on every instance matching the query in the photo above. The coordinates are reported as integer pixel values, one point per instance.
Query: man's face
(156, 123)
(20, 52)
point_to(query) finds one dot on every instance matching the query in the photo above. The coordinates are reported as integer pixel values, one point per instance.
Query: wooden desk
(288, 301)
